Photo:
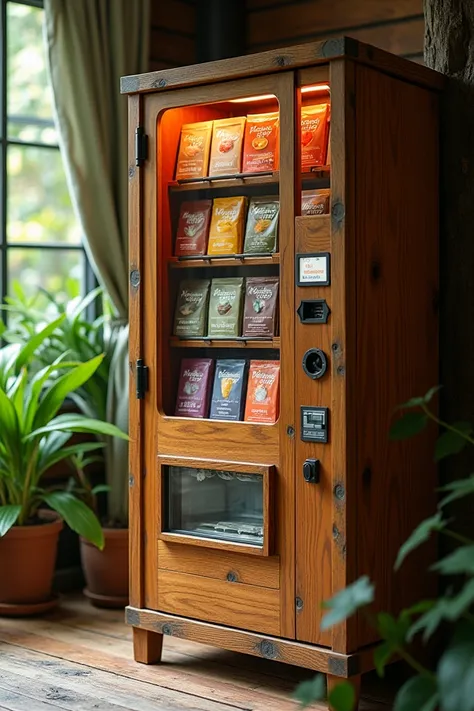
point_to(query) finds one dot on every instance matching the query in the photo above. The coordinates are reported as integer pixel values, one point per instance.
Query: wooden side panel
(285, 490)
(264, 572)
(343, 300)
(245, 606)
(313, 501)
(397, 333)
(135, 352)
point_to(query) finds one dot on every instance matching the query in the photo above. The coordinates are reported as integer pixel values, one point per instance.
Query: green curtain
(90, 45)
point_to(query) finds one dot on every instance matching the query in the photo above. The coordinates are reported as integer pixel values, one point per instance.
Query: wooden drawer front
(264, 572)
(247, 607)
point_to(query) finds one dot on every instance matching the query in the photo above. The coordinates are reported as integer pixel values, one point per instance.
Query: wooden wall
(172, 40)
(394, 25)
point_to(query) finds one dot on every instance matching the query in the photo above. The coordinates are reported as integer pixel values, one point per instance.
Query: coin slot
(315, 363)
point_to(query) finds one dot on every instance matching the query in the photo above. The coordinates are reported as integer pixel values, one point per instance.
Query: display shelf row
(225, 260)
(213, 342)
(228, 181)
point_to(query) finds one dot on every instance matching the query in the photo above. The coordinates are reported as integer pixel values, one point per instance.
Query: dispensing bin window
(216, 504)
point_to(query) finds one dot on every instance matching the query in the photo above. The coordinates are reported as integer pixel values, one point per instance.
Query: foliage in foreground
(450, 687)
(34, 437)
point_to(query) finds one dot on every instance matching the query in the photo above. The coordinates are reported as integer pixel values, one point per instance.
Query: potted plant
(106, 569)
(33, 436)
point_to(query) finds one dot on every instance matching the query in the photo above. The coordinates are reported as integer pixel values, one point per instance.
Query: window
(40, 240)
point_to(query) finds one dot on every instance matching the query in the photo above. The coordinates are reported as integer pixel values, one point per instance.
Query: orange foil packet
(263, 392)
(227, 225)
(194, 147)
(314, 136)
(226, 147)
(261, 143)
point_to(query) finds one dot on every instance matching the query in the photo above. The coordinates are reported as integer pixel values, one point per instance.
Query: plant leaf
(421, 400)
(77, 515)
(420, 535)
(445, 608)
(382, 655)
(409, 425)
(393, 630)
(65, 452)
(310, 691)
(461, 561)
(65, 384)
(459, 489)
(342, 697)
(8, 517)
(78, 423)
(418, 694)
(452, 442)
(100, 489)
(28, 350)
(456, 677)
(347, 601)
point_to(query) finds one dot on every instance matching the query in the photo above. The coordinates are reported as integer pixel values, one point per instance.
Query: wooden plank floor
(79, 658)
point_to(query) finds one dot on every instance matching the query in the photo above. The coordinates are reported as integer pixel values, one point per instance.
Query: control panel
(314, 424)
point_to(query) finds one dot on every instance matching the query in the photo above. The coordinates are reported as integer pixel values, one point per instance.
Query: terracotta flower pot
(106, 571)
(27, 559)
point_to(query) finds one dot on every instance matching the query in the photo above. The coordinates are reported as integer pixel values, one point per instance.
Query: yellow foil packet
(227, 225)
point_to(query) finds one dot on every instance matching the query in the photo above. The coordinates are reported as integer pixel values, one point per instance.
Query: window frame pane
(89, 280)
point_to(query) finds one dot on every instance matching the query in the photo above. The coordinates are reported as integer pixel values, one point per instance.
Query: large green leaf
(409, 425)
(420, 535)
(461, 561)
(342, 697)
(78, 423)
(8, 517)
(310, 691)
(10, 433)
(77, 515)
(418, 694)
(65, 384)
(347, 601)
(456, 677)
(452, 442)
(393, 630)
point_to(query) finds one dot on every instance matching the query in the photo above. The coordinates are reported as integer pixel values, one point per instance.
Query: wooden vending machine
(283, 281)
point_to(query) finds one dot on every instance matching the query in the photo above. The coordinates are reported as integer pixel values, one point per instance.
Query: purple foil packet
(194, 388)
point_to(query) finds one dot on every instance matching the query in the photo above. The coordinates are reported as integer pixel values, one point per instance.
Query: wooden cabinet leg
(333, 681)
(147, 646)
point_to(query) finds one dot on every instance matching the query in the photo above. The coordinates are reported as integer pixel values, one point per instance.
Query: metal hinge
(141, 379)
(141, 146)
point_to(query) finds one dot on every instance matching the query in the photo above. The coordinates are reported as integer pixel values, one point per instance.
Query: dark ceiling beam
(220, 29)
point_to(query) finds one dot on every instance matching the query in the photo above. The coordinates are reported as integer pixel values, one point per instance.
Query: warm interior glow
(266, 97)
(316, 87)
(247, 99)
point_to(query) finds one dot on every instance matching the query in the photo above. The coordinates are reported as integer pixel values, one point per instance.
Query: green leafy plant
(82, 339)
(33, 436)
(450, 686)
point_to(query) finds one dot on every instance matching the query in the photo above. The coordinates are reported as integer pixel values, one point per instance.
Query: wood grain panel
(397, 334)
(167, 46)
(404, 37)
(174, 15)
(244, 606)
(343, 319)
(135, 224)
(264, 572)
(280, 60)
(313, 501)
(283, 650)
(298, 19)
